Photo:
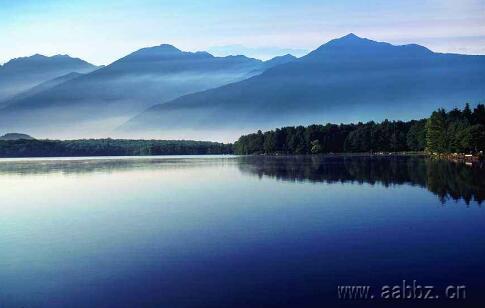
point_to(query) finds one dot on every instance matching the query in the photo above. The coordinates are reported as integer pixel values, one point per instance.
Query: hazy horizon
(83, 29)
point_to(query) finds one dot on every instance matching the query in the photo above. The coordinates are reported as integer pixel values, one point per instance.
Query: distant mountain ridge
(126, 87)
(162, 91)
(280, 60)
(21, 74)
(349, 79)
(41, 87)
(40, 61)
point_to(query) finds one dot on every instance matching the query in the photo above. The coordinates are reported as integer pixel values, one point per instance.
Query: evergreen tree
(467, 112)
(479, 114)
(436, 132)
(416, 136)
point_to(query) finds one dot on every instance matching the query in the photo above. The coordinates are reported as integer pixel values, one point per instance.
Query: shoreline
(459, 157)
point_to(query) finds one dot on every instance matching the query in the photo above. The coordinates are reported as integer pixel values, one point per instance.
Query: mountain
(107, 97)
(16, 136)
(41, 87)
(349, 79)
(279, 60)
(21, 74)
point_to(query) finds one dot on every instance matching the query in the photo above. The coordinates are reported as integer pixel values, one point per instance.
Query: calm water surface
(236, 231)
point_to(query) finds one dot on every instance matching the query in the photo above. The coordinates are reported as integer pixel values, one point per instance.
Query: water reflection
(205, 232)
(75, 166)
(448, 180)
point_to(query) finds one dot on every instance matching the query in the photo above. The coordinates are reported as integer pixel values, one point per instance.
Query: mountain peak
(287, 56)
(37, 55)
(351, 39)
(168, 48)
(350, 36)
(26, 59)
(160, 50)
(354, 45)
(38, 59)
(153, 53)
(280, 60)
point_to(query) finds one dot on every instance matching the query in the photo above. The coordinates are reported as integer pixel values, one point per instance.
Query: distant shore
(23, 148)
(33, 148)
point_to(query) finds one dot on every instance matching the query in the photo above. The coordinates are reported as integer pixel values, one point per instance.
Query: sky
(103, 31)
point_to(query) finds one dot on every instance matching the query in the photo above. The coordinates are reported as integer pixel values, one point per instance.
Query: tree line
(461, 131)
(108, 147)
(444, 132)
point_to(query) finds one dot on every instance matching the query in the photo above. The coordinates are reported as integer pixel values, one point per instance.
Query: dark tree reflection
(448, 180)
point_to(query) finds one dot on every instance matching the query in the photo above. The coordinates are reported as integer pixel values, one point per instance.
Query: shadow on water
(447, 180)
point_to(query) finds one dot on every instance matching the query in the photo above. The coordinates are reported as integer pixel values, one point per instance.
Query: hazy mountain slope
(347, 79)
(21, 74)
(279, 60)
(109, 96)
(44, 86)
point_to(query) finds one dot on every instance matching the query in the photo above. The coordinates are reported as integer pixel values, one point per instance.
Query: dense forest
(444, 132)
(456, 131)
(108, 147)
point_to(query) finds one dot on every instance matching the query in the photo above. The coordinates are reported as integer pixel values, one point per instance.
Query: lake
(226, 231)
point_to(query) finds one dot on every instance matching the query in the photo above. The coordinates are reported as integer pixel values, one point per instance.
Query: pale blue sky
(102, 31)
